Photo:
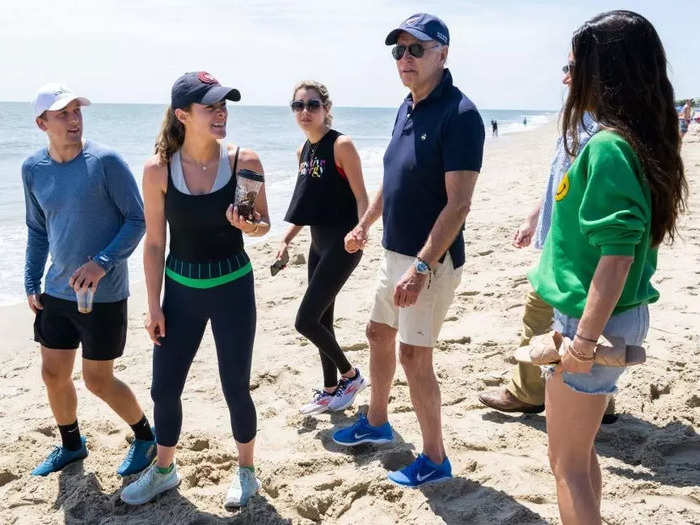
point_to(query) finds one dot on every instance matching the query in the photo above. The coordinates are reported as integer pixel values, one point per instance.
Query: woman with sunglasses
(619, 200)
(190, 185)
(329, 197)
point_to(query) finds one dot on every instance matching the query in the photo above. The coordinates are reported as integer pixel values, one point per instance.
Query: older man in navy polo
(430, 170)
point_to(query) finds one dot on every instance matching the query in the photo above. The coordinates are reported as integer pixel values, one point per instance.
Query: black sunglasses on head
(311, 106)
(415, 50)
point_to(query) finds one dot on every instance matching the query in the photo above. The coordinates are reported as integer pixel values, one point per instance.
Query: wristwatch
(421, 266)
(104, 261)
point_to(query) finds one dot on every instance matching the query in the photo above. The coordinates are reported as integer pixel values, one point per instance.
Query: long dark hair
(619, 75)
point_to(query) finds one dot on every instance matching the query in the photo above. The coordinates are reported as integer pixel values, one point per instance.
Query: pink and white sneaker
(346, 391)
(319, 403)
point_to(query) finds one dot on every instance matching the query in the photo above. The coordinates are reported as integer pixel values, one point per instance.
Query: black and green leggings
(231, 309)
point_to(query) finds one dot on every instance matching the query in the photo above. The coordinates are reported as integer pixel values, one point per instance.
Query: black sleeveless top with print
(322, 195)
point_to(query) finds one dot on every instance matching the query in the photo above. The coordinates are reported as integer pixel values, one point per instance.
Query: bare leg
(245, 453)
(596, 478)
(417, 362)
(99, 379)
(165, 456)
(382, 365)
(57, 371)
(573, 420)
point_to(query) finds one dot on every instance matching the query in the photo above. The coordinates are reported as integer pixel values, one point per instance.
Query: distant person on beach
(84, 208)
(494, 128)
(525, 391)
(685, 117)
(525, 121)
(190, 185)
(619, 200)
(430, 170)
(330, 197)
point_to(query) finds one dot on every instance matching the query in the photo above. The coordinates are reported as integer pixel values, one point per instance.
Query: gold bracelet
(578, 356)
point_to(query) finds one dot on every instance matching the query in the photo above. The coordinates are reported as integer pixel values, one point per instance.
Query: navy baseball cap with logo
(202, 88)
(422, 26)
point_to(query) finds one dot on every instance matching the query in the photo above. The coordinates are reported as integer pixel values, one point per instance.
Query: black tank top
(322, 195)
(199, 230)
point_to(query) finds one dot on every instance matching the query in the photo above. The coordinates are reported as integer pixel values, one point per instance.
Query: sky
(504, 54)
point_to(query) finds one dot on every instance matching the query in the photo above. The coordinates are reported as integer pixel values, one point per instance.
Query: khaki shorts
(418, 325)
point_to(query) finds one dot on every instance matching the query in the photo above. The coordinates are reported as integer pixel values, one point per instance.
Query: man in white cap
(83, 207)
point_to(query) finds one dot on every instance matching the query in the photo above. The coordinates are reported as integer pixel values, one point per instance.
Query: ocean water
(131, 129)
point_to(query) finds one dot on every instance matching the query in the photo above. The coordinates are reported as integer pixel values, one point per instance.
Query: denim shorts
(632, 325)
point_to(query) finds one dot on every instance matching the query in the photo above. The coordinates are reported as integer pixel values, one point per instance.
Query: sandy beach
(650, 458)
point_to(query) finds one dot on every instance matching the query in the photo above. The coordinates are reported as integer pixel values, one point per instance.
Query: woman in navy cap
(190, 184)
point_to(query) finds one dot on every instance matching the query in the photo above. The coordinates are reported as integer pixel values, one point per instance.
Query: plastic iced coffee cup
(85, 297)
(248, 185)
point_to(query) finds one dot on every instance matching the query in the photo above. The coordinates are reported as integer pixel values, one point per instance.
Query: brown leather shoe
(503, 401)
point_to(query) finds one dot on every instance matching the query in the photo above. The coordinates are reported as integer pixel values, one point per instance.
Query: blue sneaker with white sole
(141, 454)
(362, 432)
(59, 458)
(421, 471)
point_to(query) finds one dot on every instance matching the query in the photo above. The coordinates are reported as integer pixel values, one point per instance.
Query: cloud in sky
(504, 53)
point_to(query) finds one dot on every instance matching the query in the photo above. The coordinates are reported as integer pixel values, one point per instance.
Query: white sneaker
(149, 485)
(346, 391)
(319, 403)
(243, 486)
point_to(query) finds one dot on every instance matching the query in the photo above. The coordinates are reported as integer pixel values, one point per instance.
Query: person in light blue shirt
(84, 209)
(525, 390)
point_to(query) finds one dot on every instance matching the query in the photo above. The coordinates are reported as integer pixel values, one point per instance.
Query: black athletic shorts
(102, 332)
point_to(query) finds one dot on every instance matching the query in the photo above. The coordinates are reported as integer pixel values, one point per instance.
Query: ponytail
(171, 136)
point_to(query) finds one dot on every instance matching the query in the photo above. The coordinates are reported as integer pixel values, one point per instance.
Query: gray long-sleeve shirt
(89, 207)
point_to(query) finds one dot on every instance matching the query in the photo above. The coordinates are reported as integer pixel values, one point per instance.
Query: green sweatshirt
(602, 207)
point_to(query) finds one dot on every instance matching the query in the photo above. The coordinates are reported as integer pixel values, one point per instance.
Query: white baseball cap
(54, 96)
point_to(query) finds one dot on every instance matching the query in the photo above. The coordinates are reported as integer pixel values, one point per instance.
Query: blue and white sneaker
(150, 483)
(318, 404)
(59, 458)
(362, 432)
(346, 391)
(141, 454)
(421, 471)
(243, 486)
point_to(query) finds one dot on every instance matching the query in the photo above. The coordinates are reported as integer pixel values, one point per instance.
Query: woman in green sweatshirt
(619, 200)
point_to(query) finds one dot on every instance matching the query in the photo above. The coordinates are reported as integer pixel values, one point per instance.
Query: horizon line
(277, 106)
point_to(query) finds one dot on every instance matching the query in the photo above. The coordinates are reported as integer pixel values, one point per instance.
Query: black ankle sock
(70, 436)
(142, 430)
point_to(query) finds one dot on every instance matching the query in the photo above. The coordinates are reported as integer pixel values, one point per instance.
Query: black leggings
(329, 267)
(231, 309)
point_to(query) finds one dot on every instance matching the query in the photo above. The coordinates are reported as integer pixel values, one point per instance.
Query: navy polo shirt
(444, 132)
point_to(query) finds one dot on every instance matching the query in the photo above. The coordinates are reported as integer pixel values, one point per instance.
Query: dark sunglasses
(311, 106)
(568, 68)
(415, 50)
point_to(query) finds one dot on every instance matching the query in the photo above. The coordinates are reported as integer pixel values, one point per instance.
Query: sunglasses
(568, 68)
(415, 50)
(311, 106)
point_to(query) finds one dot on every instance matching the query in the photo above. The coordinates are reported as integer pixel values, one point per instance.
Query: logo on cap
(412, 20)
(206, 78)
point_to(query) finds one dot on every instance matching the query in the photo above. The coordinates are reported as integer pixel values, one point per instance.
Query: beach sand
(650, 458)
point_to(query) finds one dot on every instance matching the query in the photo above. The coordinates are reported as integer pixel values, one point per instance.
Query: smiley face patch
(563, 188)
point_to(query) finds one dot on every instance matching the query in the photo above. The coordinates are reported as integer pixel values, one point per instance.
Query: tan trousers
(527, 383)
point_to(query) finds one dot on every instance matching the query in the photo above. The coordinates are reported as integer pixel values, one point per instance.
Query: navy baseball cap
(422, 26)
(202, 88)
